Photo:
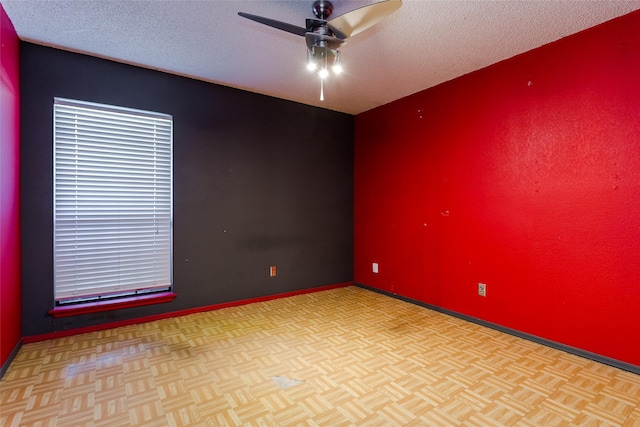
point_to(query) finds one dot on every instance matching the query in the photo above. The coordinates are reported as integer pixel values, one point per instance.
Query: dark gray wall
(258, 181)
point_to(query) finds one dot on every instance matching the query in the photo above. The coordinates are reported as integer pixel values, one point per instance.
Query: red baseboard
(110, 325)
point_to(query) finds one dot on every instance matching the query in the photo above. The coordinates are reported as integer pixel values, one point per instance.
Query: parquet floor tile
(361, 359)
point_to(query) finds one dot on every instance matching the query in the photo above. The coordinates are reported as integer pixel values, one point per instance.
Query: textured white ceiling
(421, 45)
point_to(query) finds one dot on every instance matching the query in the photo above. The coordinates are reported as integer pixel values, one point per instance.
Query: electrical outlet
(272, 271)
(482, 289)
(374, 267)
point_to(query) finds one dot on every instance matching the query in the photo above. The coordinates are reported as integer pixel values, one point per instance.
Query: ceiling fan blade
(294, 29)
(356, 21)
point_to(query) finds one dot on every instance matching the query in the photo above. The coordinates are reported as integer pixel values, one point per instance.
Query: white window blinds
(112, 201)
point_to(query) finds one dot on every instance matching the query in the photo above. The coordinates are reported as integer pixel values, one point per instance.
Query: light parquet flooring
(364, 359)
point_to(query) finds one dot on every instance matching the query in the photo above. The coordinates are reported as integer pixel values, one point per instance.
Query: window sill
(115, 304)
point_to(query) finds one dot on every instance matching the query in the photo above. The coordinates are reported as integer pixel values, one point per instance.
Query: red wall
(10, 330)
(525, 176)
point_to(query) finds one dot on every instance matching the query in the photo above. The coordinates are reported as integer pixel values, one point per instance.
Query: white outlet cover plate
(482, 289)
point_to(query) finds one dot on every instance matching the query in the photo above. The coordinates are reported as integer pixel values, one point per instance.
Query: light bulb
(311, 66)
(337, 63)
(323, 73)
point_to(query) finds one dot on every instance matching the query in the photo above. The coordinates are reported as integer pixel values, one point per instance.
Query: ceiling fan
(324, 37)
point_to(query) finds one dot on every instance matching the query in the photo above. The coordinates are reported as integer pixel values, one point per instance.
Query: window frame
(131, 295)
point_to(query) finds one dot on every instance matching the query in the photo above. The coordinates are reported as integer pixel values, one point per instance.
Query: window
(112, 201)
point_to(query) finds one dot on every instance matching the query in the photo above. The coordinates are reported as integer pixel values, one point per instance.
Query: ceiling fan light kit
(321, 59)
(323, 38)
